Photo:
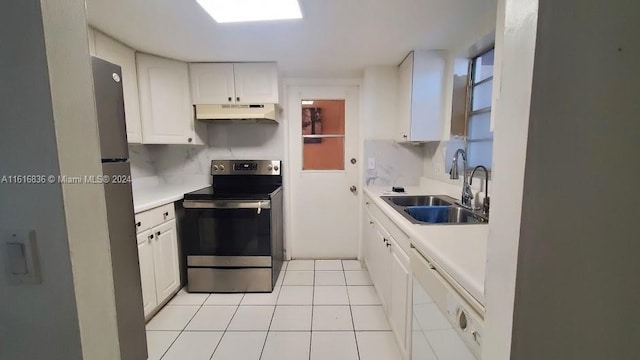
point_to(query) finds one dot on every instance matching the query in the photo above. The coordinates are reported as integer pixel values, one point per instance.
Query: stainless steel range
(232, 232)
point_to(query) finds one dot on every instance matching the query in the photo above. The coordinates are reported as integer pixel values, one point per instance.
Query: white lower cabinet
(401, 290)
(158, 257)
(388, 266)
(147, 273)
(165, 259)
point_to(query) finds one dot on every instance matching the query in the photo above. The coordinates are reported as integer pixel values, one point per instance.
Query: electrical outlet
(371, 165)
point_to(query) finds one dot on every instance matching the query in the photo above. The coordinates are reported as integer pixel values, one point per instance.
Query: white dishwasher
(445, 325)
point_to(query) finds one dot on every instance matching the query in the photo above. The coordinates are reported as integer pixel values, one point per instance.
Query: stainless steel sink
(422, 200)
(434, 209)
(443, 215)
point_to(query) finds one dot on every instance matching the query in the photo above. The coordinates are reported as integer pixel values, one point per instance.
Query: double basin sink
(434, 209)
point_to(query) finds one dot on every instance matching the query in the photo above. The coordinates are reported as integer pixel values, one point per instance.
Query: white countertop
(151, 192)
(460, 250)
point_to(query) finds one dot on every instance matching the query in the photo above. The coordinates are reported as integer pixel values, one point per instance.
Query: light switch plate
(21, 257)
(371, 164)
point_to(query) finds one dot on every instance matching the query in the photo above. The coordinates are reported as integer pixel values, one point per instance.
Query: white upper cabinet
(421, 97)
(212, 83)
(234, 83)
(165, 102)
(256, 83)
(112, 51)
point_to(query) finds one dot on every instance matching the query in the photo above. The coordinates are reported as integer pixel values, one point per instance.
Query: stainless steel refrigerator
(107, 79)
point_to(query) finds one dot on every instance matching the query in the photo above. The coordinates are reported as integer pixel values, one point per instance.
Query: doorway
(323, 175)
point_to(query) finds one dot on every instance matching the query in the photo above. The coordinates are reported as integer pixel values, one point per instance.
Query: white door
(147, 272)
(323, 178)
(165, 259)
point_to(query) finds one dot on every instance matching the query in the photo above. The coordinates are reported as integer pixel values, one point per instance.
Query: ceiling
(335, 38)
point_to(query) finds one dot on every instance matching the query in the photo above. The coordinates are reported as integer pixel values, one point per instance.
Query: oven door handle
(227, 204)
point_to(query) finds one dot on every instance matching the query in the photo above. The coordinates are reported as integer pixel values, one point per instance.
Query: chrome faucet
(485, 201)
(467, 194)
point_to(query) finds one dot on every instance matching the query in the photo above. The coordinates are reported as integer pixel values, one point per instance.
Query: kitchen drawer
(162, 213)
(143, 221)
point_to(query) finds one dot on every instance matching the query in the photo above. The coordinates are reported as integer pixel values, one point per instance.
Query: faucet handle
(485, 205)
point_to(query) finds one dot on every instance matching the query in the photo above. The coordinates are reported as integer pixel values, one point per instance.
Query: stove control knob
(275, 168)
(269, 167)
(221, 167)
(215, 167)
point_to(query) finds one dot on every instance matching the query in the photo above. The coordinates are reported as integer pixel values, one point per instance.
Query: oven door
(227, 233)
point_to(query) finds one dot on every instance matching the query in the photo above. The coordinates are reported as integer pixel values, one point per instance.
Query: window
(478, 135)
(323, 133)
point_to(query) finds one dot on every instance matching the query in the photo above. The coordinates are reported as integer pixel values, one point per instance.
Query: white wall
(509, 151)
(562, 279)
(379, 90)
(577, 284)
(396, 164)
(49, 127)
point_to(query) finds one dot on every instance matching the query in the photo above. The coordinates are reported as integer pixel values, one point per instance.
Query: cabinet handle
(230, 99)
(166, 213)
(366, 203)
(388, 244)
(385, 240)
(151, 237)
(404, 136)
(138, 224)
(190, 140)
(370, 222)
(158, 233)
(238, 98)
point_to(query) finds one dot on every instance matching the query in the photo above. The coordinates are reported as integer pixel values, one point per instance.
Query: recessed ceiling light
(226, 11)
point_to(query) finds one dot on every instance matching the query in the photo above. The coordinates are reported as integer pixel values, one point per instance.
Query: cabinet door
(428, 96)
(381, 260)
(400, 293)
(368, 241)
(114, 52)
(165, 259)
(147, 271)
(405, 85)
(212, 83)
(165, 100)
(256, 83)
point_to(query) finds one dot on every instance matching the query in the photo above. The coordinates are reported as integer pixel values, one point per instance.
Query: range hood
(237, 113)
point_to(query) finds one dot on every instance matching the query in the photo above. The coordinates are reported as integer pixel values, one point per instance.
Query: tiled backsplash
(142, 161)
(226, 141)
(396, 164)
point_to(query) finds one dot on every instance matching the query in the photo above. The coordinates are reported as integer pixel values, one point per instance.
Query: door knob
(353, 189)
(353, 160)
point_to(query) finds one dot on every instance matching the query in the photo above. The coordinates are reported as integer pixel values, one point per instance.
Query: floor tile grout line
(353, 323)
(226, 328)
(275, 306)
(185, 326)
(313, 295)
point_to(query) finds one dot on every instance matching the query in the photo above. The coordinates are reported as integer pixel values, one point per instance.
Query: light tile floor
(320, 310)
